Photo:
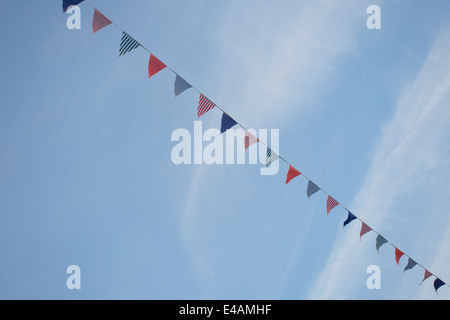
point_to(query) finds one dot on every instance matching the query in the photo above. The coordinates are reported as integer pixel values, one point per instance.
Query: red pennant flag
(331, 204)
(250, 140)
(364, 229)
(293, 173)
(154, 66)
(398, 255)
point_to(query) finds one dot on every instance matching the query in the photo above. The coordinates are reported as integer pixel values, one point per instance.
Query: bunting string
(128, 43)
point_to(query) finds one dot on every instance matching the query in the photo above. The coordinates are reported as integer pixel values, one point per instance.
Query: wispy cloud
(412, 157)
(190, 225)
(281, 54)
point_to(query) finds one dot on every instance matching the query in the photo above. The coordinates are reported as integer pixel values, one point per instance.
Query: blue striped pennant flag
(127, 44)
(380, 241)
(271, 157)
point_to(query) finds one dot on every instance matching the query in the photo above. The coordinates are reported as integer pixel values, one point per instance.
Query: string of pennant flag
(155, 65)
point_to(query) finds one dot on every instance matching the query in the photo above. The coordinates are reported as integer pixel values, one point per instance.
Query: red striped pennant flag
(154, 66)
(364, 229)
(99, 21)
(331, 204)
(426, 276)
(249, 140)
(204, 105)
(293, 173)
(398, 255)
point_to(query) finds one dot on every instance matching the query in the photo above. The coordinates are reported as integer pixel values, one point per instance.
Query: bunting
(249, 140)
(227, 123)
(411, 264)
(99, 21)
(154, 66)
(181, 85)
(380, 242)
(364, 229)
(350, 218)
(312, 189)
(68, 3)
(398, 255)
(331, 204)
(204, 105)
(426, 275)
(292, 173)
(271, 157)
(437, 284)
(128, 44)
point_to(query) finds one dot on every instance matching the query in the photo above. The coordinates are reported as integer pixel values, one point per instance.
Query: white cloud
(283, 55)
(404, 191)
(277, 60)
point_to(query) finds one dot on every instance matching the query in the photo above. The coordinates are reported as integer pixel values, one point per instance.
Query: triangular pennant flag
(249, 140)
(426, 276)
(271, 157)
(398, 255)
(350, 218)
(292, 173)
(312, 188)
(380, 241)
(99, 21)
(127, 44)
(204, 105)
(437, 284)
(331, 204)
(68, 3)
(411, 264)
(227, 123)
(181, 85)
(154, 66)
(364, 229)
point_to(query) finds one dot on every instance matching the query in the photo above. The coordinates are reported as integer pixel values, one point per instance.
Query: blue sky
(86, 176)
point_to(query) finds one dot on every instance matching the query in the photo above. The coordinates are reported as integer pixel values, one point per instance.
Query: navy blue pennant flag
(437, 284)
(227, 123)
(68, 3)
(350, 218)
(312, 188)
